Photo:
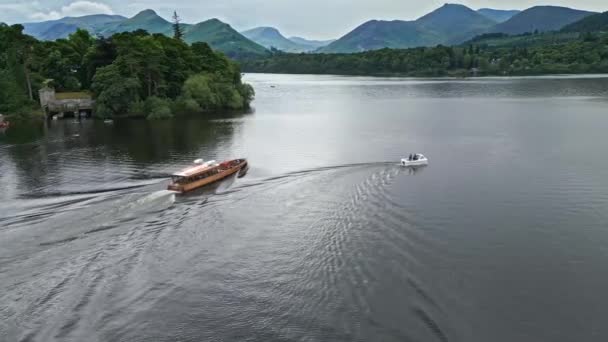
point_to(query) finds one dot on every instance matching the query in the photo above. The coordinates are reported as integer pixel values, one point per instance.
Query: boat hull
(406, 162)
(187, 187)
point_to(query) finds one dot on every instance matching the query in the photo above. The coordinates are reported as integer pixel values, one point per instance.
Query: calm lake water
(503, 237)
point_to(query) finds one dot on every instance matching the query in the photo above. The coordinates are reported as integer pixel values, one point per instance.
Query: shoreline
(541, 76)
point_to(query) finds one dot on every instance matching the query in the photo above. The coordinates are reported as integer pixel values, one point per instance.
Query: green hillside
(376, 34)
(146, 20)
(454, 23)
(223, 37)
(541, 19)
(593, 23)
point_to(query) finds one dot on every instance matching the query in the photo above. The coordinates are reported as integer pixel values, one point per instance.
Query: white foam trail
(161, 196)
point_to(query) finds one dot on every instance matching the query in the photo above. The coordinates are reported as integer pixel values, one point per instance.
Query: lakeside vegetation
(16, 94)
(586, 53)
(133, 74)
(498, 40)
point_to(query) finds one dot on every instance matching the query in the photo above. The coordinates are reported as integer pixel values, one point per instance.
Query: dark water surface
(503, 237)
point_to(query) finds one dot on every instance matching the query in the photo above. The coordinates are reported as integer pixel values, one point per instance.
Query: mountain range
(448, 25)
(452, 24)
(270, 37)
(55, 29)
(216, 33)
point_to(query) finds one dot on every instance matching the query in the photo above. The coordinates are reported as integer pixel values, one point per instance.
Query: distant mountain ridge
(270, 37)
(61, 28)
(147, 20)
(540, 18)
(452, 24)
(593, 23)
(217, 34)
(498, 16)
(223, 37)
(449, 24)
(455, 23)
(311, 44)
(377, 34)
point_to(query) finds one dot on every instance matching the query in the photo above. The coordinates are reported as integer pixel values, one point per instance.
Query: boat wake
(115, 188)
(253, 181)
(312, 225)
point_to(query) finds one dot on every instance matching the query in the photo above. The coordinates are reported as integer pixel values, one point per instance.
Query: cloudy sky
(320, 19)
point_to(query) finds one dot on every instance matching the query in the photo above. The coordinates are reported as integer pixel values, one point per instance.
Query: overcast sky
(319, 19)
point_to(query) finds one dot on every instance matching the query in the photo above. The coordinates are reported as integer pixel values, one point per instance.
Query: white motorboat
(416, 160)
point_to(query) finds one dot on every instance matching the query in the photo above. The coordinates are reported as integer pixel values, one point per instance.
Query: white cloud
(14, 6)
(75, 9)
(42, 16)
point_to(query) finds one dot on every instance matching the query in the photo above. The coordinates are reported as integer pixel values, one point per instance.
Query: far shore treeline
(487, 55)
(131, 74)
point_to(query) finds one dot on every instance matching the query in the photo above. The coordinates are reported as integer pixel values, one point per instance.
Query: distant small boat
(205, 173)
(108, 122)
(416, 160)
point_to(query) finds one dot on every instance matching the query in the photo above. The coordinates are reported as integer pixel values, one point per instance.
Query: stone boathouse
(65, 104)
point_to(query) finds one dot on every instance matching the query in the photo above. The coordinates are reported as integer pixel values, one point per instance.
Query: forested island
(487, 55)
(130, 74)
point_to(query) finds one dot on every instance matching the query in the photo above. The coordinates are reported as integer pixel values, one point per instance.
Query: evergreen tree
(177, 29)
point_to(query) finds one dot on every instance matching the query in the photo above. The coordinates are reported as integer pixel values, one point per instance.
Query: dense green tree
(198, 88)
(115, 92)
(79, 45)
(17, 79)
(19, 56)
(58, 68)
(157, 108)
(215, 91)
(178, 33)
(102, 53)
(12, 98)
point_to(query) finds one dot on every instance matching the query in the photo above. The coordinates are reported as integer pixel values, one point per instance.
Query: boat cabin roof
(193, 170)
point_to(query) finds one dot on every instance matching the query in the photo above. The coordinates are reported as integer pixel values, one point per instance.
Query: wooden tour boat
(205, 173)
